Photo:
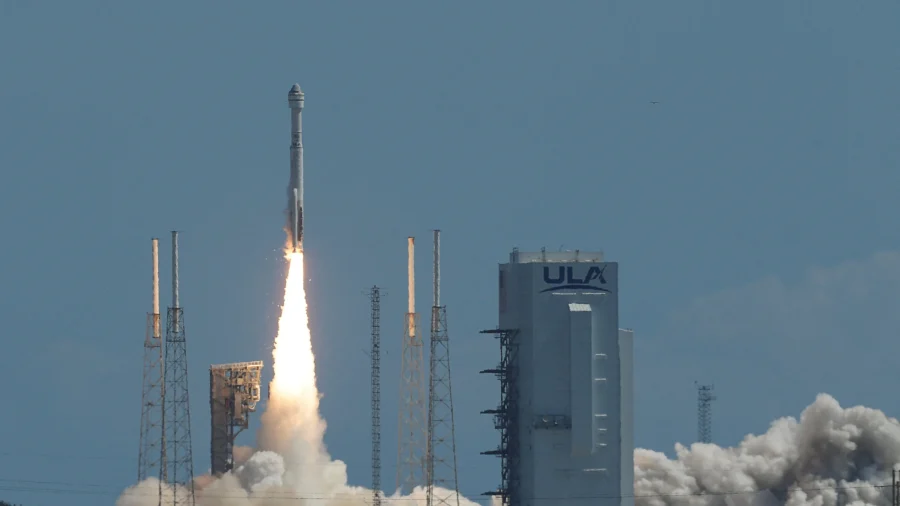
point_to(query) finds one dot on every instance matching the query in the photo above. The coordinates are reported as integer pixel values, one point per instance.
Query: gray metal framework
(152, 447)
(506, 416)
(412, 438)
(233, 393)
(441, 451)
(375, 300)
(179, 471)
(705, 396)
(895, 487)
(151, 452)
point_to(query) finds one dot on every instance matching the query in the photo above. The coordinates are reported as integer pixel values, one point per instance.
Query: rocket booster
(295, 188)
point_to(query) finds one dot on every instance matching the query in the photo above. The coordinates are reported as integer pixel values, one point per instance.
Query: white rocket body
(295, 188)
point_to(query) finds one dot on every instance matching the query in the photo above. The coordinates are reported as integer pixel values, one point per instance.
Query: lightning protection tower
(441, 454)
(176, 409)
(233, 394)
(705, 397)
(375, 300)
(152, 452)
(895, 486)
(412, 437)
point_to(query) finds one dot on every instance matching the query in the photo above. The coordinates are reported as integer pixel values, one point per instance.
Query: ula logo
(563, 278)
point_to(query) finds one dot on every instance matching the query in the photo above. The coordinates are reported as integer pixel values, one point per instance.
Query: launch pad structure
(233, 393)
(152, 452)
(441, 480)
(412, 437)
(176, 419)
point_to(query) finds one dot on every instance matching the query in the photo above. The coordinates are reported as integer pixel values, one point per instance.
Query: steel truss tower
(176, 408)
(705, 397)
(412, 438)
(441, 454)
(375, 299)
(506, 416)
(895, 487)
(152, 452)
(233, 393)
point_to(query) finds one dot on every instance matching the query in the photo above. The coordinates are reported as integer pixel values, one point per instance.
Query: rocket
(295, 188)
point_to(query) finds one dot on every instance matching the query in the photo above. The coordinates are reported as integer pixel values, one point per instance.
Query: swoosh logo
(575, 287)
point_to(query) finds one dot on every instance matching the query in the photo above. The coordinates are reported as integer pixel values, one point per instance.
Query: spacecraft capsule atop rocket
(295, 188)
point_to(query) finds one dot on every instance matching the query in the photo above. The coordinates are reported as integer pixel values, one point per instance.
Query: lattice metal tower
(177, 411)
(233, 393)
(705, 397)
(152, 450)
(375, 299)
(895, 487)
(506, 416)
(412, 438)
(441, 454)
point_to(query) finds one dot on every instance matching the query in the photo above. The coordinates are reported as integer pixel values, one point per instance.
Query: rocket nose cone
(295, 89)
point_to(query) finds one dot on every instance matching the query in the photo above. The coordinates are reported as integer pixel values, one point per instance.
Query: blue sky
(752, 210)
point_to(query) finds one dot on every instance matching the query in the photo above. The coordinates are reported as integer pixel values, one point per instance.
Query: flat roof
(544, 256)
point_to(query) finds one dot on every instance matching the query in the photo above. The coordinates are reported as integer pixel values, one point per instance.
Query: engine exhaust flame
(294, 364)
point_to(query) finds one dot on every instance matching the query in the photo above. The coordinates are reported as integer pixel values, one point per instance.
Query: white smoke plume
(832, 456)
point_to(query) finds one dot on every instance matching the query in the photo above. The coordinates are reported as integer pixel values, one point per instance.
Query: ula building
(566, 374)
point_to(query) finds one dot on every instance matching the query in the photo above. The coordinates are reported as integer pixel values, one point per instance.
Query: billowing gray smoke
(831, 457)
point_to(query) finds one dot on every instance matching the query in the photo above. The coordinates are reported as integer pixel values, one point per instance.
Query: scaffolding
(506, 416)
(233, 393)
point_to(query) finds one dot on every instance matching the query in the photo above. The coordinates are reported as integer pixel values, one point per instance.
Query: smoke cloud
(831, 456)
